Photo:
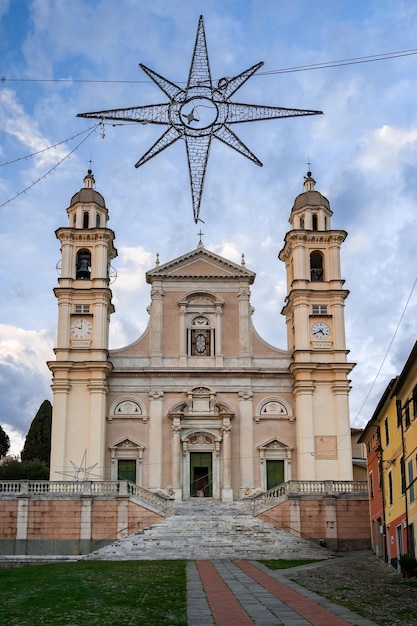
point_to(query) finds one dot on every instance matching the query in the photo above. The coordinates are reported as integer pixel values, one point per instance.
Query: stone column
(176, 458)
(344, 442)
(219, 335)
(22, 524)
(183, 336)
(244, 326)
(122, 516)
(227, 491)
(60, 391)
(155, 439)
(305, 430)
(157, 295)
(85, 524)
(246, 441)
(97, 427)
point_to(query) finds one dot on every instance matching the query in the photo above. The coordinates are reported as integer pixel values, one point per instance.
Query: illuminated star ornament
(198, 113)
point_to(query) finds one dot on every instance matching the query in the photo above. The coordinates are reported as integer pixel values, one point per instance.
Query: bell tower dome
(84, 307)
(314, 314)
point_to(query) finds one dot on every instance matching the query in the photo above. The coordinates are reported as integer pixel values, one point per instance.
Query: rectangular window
(386, 425)
(371, 484)
(407, 416)
(399, 413)
(82, 308)
(319, 309)
(200, 342)
(402, 470)
(380, 474)
(415, 401)
(390, 490)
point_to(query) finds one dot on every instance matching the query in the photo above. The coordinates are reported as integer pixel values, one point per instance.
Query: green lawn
(94, 593)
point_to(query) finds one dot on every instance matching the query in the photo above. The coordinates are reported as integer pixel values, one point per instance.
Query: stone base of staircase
(202, 528)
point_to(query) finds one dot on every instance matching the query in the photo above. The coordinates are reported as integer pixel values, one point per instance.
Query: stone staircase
(201, 528)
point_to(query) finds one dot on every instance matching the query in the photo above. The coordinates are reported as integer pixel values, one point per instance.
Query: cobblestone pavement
(366, 585)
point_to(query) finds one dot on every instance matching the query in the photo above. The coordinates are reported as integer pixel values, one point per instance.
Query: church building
(200, 405)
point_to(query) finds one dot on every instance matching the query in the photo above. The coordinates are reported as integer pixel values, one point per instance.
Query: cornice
(205, 373)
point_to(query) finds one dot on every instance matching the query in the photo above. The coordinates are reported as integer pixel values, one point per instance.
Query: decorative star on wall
(81, 472)
(198, 113)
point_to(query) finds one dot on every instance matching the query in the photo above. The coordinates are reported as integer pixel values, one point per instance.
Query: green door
(126, 470)
(274, 473)
(201, 480)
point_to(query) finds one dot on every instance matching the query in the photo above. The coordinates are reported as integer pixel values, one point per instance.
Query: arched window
(316, 266)
(83, 265)
(315, 222)
(85, 219)
(201, 337)
(97, 221)
(302, 222)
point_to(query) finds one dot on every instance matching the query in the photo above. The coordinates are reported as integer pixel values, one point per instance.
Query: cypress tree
(38, 440)
(4, 442)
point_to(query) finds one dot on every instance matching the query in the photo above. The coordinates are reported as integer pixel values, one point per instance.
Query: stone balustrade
(260, 502)
(111, 488)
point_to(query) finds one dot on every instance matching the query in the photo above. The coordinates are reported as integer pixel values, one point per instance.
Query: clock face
(320, 330)
(81, 328)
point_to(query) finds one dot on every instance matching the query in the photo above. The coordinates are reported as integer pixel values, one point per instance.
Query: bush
(24, 470)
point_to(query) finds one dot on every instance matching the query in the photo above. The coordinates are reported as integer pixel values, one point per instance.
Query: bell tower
(314, 313)
(84, 306)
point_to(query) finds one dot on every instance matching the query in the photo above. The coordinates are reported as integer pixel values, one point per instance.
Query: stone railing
(110, 488)
(263, 501)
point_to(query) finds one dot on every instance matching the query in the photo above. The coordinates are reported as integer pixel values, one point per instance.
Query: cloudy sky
(61, 58)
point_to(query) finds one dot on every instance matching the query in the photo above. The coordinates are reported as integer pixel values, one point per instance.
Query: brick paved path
(243, 593)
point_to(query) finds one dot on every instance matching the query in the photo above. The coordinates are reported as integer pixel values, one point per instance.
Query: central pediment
(200, 263)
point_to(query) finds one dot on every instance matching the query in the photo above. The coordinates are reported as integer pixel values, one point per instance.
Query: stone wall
(341, 521)
(68, 524)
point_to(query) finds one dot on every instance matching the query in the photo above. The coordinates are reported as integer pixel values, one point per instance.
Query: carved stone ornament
(250, 492)
(156, 395)
(168, 492)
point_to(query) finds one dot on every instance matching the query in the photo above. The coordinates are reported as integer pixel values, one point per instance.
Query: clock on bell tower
(314, 313)
(84, 307)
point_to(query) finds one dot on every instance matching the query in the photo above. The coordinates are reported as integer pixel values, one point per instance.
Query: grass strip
(97, 593)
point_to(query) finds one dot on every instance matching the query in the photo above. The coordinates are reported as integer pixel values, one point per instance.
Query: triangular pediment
(200, 263)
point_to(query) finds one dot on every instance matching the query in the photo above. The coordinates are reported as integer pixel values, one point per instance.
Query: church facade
(200, 403)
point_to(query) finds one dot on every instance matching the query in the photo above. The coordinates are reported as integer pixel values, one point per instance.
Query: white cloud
(16, 122)
(24, 378)
(382, 148)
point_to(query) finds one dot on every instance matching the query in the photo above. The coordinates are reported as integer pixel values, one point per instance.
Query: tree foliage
(4, 442)
(24, 470)
(38, 440)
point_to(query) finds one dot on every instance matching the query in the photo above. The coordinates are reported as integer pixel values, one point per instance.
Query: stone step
(202, 528)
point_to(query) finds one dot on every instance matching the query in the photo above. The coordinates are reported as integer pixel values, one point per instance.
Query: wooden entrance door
(274, 473)
(201, 475)
(126, 470)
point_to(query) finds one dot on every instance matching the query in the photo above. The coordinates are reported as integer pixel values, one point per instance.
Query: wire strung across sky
(302, 68)
(34, 182)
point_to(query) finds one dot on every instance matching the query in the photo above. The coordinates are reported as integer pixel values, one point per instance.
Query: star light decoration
(198, 113)
(81, 472)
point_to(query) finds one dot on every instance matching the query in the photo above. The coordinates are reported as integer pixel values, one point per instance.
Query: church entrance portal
(201, 475)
